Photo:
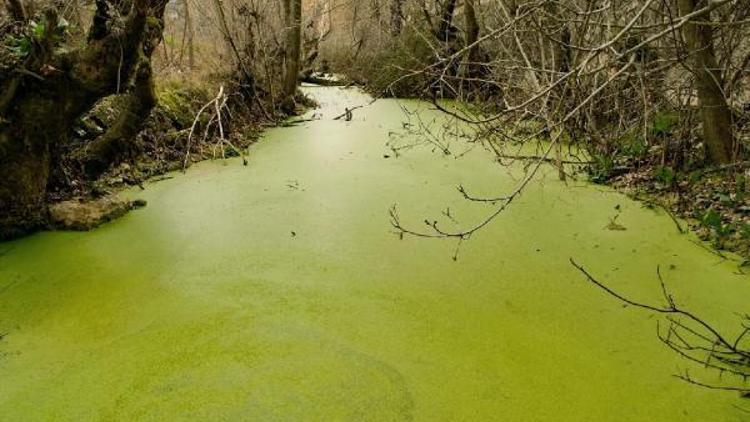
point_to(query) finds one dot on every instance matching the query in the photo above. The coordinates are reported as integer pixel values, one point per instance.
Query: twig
(195, 123)
(720, 354)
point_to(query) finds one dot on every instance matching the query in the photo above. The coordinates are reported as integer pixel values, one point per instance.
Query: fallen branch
(219, 104)
(347, 113)
(311, 79)
(695, 339)
(545, 159)
(195, 123)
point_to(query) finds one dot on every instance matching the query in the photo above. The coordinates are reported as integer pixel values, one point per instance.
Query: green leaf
(21, 47)
(712, 219)
(665, 175)
(664, 122)
(37, 29)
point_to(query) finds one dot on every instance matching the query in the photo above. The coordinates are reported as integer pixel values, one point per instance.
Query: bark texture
(40, 106)
(445, 30)
(715, 113)
(293, 14)
(397, 13)
(472, 27)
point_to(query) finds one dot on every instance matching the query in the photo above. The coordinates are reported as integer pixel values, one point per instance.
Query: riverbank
(712, 202)
(189, 124)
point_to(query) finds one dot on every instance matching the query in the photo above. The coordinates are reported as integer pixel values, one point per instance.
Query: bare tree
(229, 48)
(397, 13)
(580, 74)
(189, 34)
(445, 29)
(293, 20)
(472, 29)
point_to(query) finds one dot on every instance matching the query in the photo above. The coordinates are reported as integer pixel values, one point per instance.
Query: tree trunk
(397, 12)
(42, 110)
(715, 113)
(471, 30)
(471, 69)
(293, 14)
(221, 17)
(115, 143)
(445, 28)
(561, 61)
(472, 27)
(190, 34)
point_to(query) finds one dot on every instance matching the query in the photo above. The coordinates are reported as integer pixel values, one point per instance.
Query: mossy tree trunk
(40, 106)
(116, 143)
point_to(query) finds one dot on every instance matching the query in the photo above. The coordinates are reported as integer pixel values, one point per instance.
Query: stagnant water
(277, 291)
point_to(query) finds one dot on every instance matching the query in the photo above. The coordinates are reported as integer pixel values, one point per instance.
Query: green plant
(601, 169)
(745, 230)
(740, 187)
(695, 176)
(20, 46)
(725, 199)
(633, 146)
(180, 100)
(23, 45)
(665, 175)
(664, 122)
(713, 221)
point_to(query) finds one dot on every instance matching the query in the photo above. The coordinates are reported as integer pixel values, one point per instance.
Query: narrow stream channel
(278, 291)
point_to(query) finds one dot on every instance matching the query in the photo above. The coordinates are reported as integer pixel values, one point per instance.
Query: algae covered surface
(278, 291)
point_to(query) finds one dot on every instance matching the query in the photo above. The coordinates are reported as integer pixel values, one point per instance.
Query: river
(278, 291)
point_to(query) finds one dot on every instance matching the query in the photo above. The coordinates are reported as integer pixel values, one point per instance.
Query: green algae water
(278, 291)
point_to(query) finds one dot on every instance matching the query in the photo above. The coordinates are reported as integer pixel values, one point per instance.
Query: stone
(82, 215)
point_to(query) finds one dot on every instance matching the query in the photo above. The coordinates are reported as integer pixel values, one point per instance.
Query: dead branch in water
(692, 337)
(348, 113)
(545, 159)
(437, 232)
